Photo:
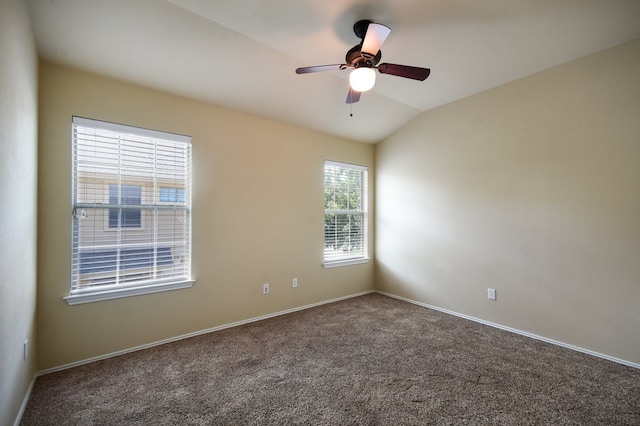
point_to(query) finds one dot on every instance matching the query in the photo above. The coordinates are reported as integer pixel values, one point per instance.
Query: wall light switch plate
(294, 283)
(491, 293)
(265, 288)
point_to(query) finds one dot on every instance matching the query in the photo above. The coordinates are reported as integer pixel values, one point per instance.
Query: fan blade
(405, 71)
(353, 96)
(376, 35)
(318, 68)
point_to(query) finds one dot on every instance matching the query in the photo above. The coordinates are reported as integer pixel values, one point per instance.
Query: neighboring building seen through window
(345, 214)
(131, 211)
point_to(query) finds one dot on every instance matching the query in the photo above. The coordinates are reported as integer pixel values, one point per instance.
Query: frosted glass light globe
(362, 79)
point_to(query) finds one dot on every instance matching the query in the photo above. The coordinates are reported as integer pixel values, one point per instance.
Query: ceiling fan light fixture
(362, 79)
(363, 58)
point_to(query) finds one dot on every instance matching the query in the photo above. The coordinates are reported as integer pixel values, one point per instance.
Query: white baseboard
(514, 330)
(313, 305)
(25, 401)
(196, 333)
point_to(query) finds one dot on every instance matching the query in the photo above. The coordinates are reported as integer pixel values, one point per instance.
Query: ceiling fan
(363, 60)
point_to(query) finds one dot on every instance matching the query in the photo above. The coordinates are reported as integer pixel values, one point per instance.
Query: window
(345, 214)
(172, 195)
(131, 211)
(125, 195)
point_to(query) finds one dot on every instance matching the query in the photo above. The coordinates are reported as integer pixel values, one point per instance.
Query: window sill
(347, 262)
(97, 296)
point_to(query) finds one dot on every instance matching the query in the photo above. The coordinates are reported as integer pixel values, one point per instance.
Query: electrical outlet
(265, 288)
(25, 350)
(491, 293)
(294, 283)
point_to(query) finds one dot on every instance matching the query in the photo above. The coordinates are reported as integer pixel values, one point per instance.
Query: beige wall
(532, 188)
(18, 170)
(257, 218)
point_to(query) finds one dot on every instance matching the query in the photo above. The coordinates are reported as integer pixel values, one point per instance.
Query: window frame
(118, 289)
(363, 212)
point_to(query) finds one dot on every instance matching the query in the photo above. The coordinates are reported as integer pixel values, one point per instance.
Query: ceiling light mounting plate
(360, 28)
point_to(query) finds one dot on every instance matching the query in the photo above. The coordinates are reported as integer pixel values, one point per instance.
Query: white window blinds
(345, 214)
(131, 207)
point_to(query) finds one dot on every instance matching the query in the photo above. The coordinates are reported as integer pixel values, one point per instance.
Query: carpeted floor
(370, 360)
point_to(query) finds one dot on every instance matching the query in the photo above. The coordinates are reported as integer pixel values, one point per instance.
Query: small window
(345, 214)
(171, 195)
(126, 240)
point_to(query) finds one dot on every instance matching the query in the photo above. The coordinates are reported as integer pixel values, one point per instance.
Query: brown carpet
(370, 360)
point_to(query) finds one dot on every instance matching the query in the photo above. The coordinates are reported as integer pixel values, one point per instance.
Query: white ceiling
(241, 54)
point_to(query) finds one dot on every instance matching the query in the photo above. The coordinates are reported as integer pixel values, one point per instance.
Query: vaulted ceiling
(242, 54)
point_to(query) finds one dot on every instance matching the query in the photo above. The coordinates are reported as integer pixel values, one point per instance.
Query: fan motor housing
(355, 58)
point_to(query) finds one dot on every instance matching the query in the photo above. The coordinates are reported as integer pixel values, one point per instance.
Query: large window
(131, 211)
(345, 214)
